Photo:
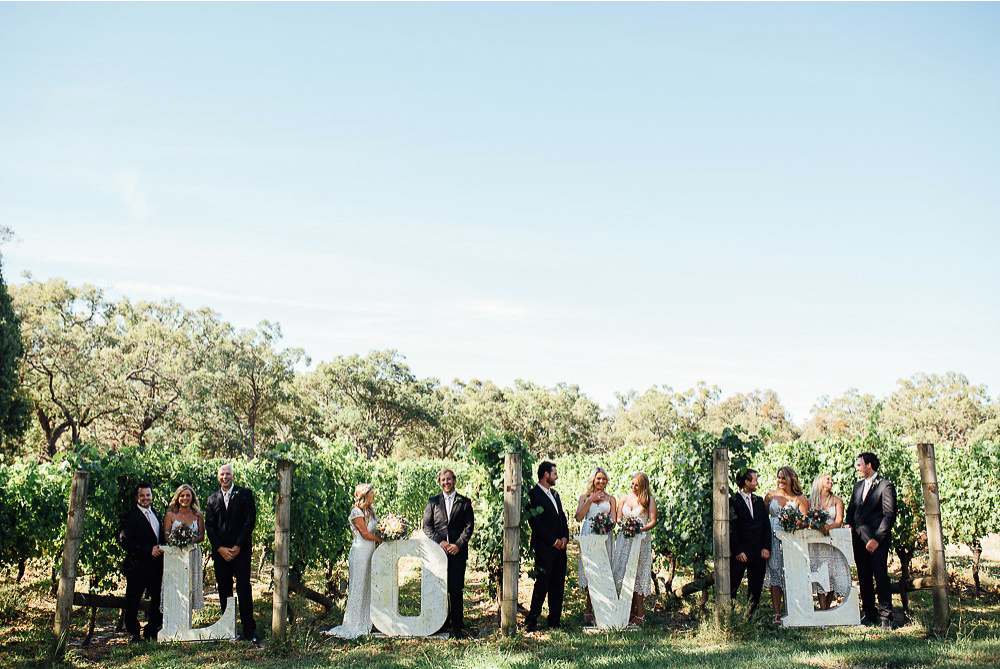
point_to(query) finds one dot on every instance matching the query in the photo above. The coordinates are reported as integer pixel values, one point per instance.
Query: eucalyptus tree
(377, 400)
(845, 417)
(14, 406)
(66, 336)
(935, 409)
(657, 414)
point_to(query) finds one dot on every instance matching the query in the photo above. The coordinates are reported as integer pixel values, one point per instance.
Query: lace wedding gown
(840, 575)
(643, 582)
(357, 612)
(197, 571)
(585, 528)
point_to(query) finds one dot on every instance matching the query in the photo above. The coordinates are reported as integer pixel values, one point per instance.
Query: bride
(357, 612)
(183, 510)
(592, 502)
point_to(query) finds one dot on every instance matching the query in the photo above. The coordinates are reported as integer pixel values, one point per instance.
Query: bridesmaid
(637, 504)
(788, 492)
(840, 578)
(593, 501)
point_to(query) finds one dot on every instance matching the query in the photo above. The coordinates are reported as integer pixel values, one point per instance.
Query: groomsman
(871, 514)
(140, 534)
(749, 538)
(448, 520)
(549, 536)
(230, 517)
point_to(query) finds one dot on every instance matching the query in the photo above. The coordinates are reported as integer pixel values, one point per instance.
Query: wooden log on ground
(300, 588)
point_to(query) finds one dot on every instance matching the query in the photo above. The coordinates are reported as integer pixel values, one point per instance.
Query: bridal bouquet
(181, 535)
(393, 527)
(791, 519)
(630, 527)
(817, 518)
(602, 523)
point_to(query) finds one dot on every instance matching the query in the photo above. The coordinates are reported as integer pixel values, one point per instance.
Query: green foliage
(969, 484)
(33, 501)
(14, 405)
(487, 484)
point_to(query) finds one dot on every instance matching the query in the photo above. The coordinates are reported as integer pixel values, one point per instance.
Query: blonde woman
(593, 501)
(840, 577)
(183, 510)
(637, 504)
(357, 612)
(787, 492)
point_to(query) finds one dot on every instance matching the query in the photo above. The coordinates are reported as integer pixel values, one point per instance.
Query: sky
(797, 197)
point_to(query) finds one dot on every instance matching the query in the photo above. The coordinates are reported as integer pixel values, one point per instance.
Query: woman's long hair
(816, 498)
(591, 488)
(643, 495)
(793, 480)
(360, 492)
(175, 506)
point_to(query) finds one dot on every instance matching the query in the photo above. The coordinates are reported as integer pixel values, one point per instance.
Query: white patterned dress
(840, 575)
(643, 582)
(775, 575)
(585, 528)
(357, 613)
(196, 569)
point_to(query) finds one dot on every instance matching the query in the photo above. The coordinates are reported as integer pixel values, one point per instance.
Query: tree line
(85, 369)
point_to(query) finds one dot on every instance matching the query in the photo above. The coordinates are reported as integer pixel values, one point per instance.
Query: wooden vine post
(935, 535)
(71, 553)
(511, 542)
(720, 533)
(282, 536)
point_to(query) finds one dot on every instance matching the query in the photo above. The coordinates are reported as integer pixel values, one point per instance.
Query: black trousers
(873, 580)
(224, 574)
(456, 586)
(754, 570)
(550, 581)
(139, 580)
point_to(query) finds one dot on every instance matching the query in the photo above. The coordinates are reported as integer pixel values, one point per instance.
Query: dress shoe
(531, 626)
(460, 633)
(869, 621)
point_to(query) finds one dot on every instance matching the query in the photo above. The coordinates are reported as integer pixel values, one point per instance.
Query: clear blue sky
(804, 197)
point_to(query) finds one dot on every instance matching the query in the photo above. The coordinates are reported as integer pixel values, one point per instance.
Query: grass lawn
(671, 637)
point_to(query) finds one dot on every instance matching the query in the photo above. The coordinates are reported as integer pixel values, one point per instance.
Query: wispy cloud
(132, 196)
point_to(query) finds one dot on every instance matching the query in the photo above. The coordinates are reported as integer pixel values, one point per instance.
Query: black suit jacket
(873, 518)
(550, 525)
(455, 530)
(137, 538)
(748, 535)
(233, 526)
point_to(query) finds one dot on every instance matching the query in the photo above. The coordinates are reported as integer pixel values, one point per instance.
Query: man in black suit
(230, 517)
(449, 521)
(549, 537)
(871, 514)
(140, 534)
(749, 538)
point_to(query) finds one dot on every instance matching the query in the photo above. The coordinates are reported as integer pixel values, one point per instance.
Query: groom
(140, 535)
(871, 514)
(230, 517)
(448, 520)
(549, 536)
(749, 538)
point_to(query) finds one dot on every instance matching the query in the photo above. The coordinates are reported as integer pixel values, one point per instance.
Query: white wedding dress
(585, 528)
(197, 570)
(643, 578)
(357, 612)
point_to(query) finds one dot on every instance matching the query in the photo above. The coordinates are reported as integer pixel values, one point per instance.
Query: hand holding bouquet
(181, 535)
(791, 519)
(392, 528)
(630, 527)
(818, 518)
(602, 523)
